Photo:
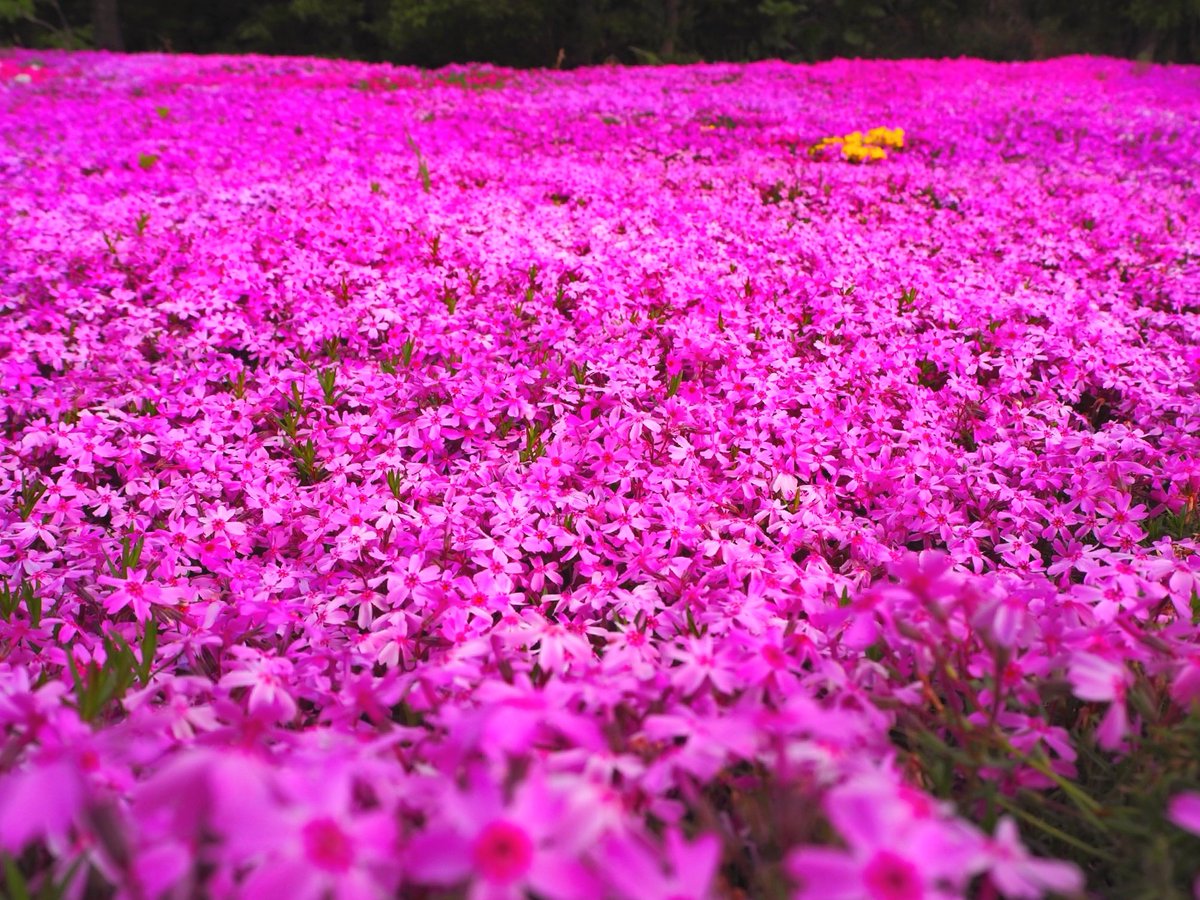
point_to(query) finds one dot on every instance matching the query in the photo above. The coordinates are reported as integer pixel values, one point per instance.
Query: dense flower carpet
(658, 483)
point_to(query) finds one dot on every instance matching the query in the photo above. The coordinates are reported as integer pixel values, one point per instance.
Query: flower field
(734, 481)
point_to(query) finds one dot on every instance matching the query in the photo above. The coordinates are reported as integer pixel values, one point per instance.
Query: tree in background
(514, 32)
(588, 32)
(44, 21)
(106, 25)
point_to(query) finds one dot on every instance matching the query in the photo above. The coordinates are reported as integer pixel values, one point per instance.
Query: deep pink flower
(267, 678)
(504, 850)
(1184, 811)
(1185, 686)
(554, 460)
(881, 875)
(679, 870)
(900, 845)
(138, 593)
(40, 801)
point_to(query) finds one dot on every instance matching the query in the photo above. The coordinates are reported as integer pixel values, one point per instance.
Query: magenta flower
(1100, 680)
(320, 856)
(267, 679)
(139, 594)
(880, 875)
(1185, 686)
(900, 845)
(485, 593)
(1018, 874)
(570, 459)
(1184, 811)
(699, 662)
(679, 870)
(504, 849)
(40, 801)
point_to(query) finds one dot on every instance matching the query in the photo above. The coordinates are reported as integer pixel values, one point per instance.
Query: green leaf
(147, 161)
(33, 603)
(327, 378)
(18, 888)
(1049, 829)
(149, 650)
(76, 679)
(131, 552)
(422, 167)
(15, 10)
(30, 495)
(395, 481)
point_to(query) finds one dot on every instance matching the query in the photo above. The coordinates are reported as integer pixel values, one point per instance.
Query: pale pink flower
(1019, 874)
(1100, 680)
(268, 679)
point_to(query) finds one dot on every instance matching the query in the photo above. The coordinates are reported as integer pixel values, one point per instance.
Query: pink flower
(1184, 580)
(319, 855)
(40, 801)
(1185, 686)
(500, 518)
(503, 849)
(679, 870)
(267, 678)
(405, 582)
(901, 845)
(700, 661)
(485, 593)
(878, 875)
(1004, 618)
(1184, 811)
(139, 594)
(1018, 874)
(1100, 680)
(316, 844)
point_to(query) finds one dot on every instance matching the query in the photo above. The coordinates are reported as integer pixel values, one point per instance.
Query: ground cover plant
(709, 481)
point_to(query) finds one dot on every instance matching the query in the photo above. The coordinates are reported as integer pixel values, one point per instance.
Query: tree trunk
(585, 26)
(106, 25)
(666, 52)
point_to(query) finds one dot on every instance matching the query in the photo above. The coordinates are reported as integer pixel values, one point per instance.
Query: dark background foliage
(585, 32)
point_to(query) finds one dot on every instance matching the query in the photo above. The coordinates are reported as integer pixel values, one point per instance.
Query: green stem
(1051, 830)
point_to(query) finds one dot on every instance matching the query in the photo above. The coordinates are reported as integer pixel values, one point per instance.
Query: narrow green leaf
(1050, 829)
(18, 888)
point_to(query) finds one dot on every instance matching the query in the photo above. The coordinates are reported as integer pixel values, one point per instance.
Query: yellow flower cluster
(857, 147)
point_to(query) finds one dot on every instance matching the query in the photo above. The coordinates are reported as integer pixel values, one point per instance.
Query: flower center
(774, 656)
(503, 852)
(327, 846)
(891, 877)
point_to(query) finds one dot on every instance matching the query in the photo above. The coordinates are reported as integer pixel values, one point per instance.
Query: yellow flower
(855, 147)
(862, 153)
